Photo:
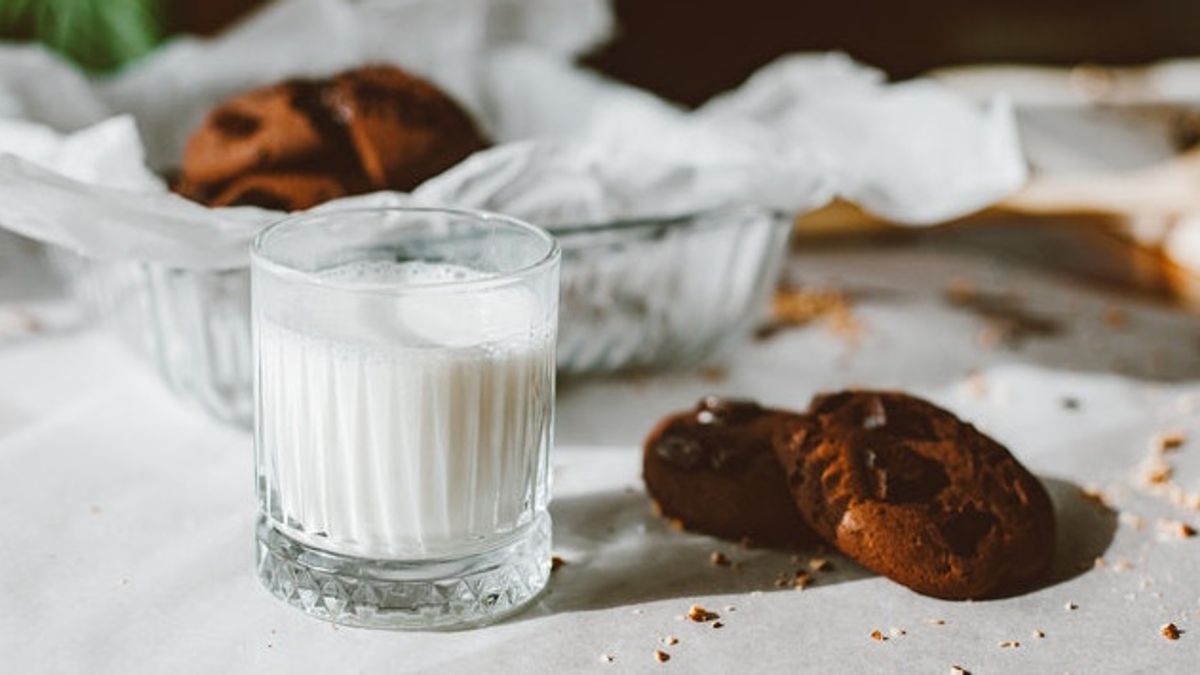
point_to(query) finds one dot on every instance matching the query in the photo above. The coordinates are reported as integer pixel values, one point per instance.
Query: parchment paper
(127, 518)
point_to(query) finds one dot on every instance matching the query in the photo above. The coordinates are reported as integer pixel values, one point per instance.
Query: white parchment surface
(126, 520)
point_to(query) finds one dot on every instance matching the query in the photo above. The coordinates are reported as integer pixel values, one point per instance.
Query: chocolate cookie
(280, 191)
(404, 129)
(268, 127)
(913, 493)
(713, 469)
(366, 129)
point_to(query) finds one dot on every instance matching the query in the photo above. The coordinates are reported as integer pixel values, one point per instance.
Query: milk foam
(401, 310)
(408, 273)
(430, 431)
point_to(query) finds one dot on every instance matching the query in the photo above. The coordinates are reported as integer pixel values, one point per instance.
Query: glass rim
(695, 219)
(262, 259)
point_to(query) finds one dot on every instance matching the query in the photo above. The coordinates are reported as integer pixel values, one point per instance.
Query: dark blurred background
(687, 50)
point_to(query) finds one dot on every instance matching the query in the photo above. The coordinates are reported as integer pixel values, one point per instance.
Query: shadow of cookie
(618, 553)
(1086, 529)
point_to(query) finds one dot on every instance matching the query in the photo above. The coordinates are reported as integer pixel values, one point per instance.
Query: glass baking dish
(640, 294)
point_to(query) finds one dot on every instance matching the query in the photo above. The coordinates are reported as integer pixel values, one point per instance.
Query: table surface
(126, 517)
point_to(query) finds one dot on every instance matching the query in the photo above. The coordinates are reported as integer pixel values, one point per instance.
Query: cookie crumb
(676, 524)
(718, 624)
(819, 565)
(1099, 563)
(1122, 565)
(700, 615)
(1070, 606)
(1176, 528)
(1039, 634)
(556, 562)
(1094, 495)
(1169, 441)
(661, 656)
(1155, 471)
(959, 670)
(897, 632)
(670, 640)
(730, 608)
(1005, 644)
(719, 559)
(1170, 631)
(606, 658)
(802, 580)
(878, 635)
(796, 307)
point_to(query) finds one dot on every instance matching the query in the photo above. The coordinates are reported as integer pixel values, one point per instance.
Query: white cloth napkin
(572, 146)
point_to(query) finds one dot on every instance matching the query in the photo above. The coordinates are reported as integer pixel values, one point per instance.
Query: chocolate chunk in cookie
(713, 469)
(404, 129)
(913, 493)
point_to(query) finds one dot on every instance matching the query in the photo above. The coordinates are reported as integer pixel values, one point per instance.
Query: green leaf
(99, 35)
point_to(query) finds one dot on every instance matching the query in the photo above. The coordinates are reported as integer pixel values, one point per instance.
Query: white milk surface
(426, 437)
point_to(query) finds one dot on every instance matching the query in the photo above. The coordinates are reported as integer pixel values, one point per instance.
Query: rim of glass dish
(686, 219)
(260, 258)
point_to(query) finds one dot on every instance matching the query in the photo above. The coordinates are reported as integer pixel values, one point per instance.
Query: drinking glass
(404, 405)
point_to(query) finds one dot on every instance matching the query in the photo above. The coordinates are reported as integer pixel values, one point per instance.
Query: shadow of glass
(618, 553)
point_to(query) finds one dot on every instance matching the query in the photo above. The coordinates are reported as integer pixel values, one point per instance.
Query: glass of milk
(404, 386)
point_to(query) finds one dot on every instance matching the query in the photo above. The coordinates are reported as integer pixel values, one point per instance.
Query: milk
(403, 425)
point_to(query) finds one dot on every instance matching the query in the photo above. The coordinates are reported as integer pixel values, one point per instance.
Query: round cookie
(404, 129)
(370, 128)
(714, 471)
(913, 493)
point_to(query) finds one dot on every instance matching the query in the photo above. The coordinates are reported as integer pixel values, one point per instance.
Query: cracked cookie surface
(913, 493)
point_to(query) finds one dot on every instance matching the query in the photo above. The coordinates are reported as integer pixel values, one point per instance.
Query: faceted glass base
(427, 594)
